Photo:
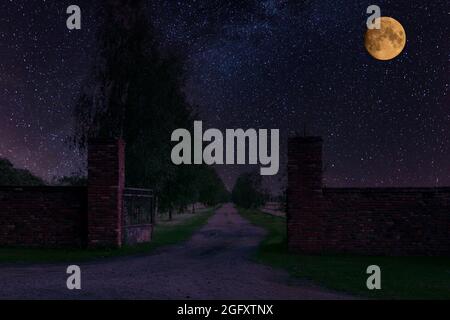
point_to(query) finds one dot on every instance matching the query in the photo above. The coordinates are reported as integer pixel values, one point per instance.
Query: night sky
(261, 64)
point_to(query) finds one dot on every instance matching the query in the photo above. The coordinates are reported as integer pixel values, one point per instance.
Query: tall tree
(136, 94)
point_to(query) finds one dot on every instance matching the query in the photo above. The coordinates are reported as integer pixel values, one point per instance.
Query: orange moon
(387, 42)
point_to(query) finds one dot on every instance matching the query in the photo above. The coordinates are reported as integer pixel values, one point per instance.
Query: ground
(411, 277)
(216, 263)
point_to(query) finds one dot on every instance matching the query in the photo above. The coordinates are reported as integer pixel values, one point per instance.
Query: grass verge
(163, 235)
(401, 277)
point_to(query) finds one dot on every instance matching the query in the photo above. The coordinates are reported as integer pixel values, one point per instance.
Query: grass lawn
(401, 277)
(163, 235)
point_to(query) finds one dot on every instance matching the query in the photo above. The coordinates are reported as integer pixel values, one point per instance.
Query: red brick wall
(69, 216)
(371, 221)
(106, 172)
(43, 216)
(304, 194)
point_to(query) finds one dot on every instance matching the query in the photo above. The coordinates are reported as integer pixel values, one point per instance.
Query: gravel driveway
(214, 264)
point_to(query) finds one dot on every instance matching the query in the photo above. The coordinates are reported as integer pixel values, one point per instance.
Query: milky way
(262, 64)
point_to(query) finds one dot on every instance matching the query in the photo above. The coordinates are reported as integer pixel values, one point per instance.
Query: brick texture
(43, 216)
(106, 170)
(369, 221)
(69, 216)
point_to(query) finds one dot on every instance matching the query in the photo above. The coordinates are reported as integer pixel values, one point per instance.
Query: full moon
(387, 42)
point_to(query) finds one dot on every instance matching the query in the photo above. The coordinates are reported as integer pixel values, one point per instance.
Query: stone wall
(106, 182)
(69, 216)
(370, 221)
(43, 216)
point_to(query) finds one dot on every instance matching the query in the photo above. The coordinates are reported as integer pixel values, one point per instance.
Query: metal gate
(139, 209)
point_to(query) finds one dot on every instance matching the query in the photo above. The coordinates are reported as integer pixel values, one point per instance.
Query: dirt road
(214, 264)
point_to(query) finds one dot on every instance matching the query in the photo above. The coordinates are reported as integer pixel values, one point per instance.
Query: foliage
(195, 184)
(10, 176)
(211, 189)
(247, 192)
(136, 93)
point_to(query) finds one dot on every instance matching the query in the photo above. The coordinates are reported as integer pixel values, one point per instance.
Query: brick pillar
(106, 181)
(304, 195)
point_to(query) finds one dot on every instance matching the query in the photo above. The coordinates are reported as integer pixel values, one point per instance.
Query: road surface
(214, 264)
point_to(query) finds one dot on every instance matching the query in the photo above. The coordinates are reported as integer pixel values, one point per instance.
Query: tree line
(11, 176)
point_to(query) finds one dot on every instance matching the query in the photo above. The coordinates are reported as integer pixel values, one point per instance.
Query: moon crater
(387, 42)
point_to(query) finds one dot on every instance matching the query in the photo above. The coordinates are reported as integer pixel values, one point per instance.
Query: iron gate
(139, 209)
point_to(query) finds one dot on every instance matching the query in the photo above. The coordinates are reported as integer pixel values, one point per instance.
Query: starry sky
(251, 64)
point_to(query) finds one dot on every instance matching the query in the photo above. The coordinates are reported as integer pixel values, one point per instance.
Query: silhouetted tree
(10, 176)
(135, 93)
(211, 189)
(247, 191)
